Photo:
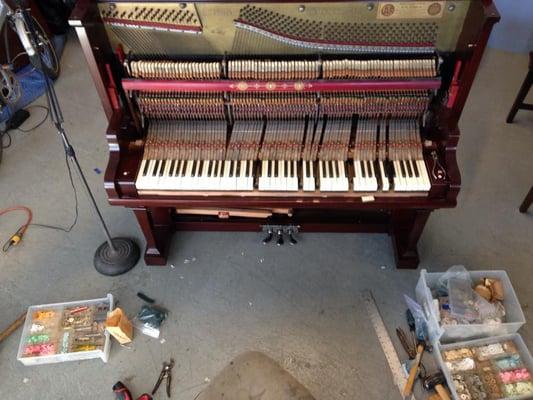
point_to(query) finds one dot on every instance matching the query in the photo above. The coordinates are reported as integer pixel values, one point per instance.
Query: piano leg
(406, 229)
(157, 227)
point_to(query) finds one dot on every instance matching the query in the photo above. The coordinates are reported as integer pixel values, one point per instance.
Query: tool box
(68, 331)
(499, 366)
(514, 317)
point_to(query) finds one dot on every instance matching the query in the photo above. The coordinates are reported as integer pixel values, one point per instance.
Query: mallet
(436, 382)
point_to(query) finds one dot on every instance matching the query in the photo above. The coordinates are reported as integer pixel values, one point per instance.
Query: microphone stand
(116, 255)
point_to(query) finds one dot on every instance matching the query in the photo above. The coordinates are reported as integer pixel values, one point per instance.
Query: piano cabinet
(276, 59)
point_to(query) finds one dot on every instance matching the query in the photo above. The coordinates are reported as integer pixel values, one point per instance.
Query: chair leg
(527, 201)
(519, 101)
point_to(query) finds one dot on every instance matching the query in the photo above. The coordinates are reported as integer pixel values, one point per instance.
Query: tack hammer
(436, 381)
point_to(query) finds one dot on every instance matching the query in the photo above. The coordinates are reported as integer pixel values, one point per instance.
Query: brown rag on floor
(254, 376)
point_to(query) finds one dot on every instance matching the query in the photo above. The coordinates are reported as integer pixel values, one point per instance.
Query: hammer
(436, 381)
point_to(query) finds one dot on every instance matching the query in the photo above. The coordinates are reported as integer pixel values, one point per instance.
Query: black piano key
(377, 169)
(408, 167)
(146, 165)
(417, 172)
(156, 167)
(171, 167)
(369, 168)
(362, 169)
(162, 169)
(389, 170)
(402, 169)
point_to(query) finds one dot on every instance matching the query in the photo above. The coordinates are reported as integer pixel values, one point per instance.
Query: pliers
(166, 373)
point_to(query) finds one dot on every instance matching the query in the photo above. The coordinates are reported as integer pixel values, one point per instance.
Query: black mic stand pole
(116, 255)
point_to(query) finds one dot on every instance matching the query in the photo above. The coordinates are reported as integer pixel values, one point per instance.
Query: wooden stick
(13, 327)
(443, 393)
(408, 389)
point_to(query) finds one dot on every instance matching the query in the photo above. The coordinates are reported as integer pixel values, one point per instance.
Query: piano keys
(192, 156)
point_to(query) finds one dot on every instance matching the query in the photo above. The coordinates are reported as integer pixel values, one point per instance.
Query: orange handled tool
(408, 389)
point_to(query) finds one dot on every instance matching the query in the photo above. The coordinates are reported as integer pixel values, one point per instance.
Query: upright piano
(283, 116)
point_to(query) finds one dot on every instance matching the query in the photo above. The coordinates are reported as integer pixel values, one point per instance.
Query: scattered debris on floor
(453, 318)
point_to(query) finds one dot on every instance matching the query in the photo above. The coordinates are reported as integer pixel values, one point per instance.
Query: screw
(183, 5)
(370, 6)
(301, 8)
(451, 7)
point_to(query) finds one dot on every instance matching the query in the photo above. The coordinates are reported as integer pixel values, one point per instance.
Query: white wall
(515, 30)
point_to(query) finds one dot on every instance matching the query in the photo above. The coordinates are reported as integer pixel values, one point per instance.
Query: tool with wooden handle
(437, 382)
(413, 372)
(13, 327)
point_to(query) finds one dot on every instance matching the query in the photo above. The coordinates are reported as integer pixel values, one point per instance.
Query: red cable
(28, 212)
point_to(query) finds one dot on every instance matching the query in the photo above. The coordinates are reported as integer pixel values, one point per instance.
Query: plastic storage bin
(523, 351)
(514, 318)
(52, 325)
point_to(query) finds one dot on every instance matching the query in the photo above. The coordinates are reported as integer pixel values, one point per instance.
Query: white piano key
(426, 182)
(343, 177)
(373, 182)
(385, 185)
(263, 178)
(292, 183)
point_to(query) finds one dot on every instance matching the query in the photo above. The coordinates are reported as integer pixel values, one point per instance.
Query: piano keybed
(284, 156)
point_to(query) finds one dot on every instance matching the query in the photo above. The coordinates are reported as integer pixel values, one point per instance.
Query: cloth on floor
(253, 375)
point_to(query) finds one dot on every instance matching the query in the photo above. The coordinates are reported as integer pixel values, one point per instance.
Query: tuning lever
(268, 237)
(280, 240)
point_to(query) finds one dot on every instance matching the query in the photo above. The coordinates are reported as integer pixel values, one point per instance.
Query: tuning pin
(280, 240)
(292, 240)
(269, 236)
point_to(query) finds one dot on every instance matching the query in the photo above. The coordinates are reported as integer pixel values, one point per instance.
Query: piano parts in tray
(65, 331)
(497, 370)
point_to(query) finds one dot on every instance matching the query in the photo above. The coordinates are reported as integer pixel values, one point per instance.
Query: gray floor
(228, 293)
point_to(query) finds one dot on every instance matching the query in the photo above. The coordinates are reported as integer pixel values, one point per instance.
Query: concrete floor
(226, 291)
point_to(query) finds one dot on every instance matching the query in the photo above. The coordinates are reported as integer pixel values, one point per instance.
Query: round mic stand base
(118, 261)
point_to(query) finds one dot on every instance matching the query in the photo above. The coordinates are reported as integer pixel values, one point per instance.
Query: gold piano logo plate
(242, 86)
(411, 10)
(298, 86)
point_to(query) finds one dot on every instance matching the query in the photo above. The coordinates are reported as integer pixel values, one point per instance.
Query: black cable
(6, 133)
(76, 208)
(2, 134)
(40, 123)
